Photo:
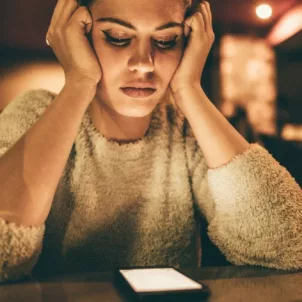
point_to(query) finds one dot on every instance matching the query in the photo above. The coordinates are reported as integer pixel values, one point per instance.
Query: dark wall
(289, 83)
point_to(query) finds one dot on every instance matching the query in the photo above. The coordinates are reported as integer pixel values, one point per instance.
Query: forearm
(217, 138)
(257, 217)
(30, 170)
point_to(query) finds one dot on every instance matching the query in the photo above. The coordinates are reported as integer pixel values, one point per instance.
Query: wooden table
(229, 283)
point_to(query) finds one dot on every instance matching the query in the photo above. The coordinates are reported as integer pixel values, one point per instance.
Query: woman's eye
(125, 42)
(166, 44)
(115, 41)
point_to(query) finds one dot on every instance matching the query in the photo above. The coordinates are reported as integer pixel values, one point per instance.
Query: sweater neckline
(113, 149)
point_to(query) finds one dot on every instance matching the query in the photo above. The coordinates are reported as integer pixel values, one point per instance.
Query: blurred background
(253, 73)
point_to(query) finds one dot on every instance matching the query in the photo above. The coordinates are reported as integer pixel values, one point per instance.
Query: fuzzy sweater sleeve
(20, 246)
(253, 207)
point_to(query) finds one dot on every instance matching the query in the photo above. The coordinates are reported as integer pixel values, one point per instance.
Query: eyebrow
(129, 25)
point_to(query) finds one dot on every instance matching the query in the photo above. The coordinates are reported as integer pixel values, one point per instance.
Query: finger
(196, 25)
(209, 20)
(57, 12)
(205, 17)
(68, 10)
(55, 16)
(210, 28)
(207, 4)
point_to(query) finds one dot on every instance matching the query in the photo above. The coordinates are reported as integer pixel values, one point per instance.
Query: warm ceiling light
(289, 25)
(264, 11)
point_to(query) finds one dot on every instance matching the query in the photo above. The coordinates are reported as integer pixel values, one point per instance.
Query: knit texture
(139, 203)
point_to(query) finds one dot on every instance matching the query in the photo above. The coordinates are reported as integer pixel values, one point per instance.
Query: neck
(115, 126)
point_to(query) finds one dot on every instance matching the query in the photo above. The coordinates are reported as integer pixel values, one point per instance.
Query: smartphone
(158, 284)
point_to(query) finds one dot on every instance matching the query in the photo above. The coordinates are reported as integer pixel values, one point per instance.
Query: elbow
(286, 257)
(20, 248)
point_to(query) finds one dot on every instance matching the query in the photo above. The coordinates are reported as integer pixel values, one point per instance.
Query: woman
(107, 174)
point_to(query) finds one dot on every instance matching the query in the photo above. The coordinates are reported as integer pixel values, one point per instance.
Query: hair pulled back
(190, 5)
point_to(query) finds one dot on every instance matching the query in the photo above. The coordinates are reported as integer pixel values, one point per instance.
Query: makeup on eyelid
(117, 40)
(117, 36)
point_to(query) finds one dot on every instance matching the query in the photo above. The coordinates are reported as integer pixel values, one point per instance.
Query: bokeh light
(264, 11)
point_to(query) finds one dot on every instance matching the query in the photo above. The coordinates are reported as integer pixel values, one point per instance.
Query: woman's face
(148, 52)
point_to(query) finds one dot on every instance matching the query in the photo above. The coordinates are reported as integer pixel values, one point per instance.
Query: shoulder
(30, 101)
(20, 114)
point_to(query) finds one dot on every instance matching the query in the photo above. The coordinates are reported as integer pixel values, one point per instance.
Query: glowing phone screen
(158, 279)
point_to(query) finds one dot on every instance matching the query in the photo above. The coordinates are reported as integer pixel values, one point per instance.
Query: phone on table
(158, 284)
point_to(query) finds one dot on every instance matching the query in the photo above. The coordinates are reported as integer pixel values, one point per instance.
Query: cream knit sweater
(139, 203)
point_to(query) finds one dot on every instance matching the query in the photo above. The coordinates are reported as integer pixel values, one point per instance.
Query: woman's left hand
(198, 28)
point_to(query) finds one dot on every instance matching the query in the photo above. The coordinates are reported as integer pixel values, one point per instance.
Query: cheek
(104, 54)
(111, 60)
(166, 64)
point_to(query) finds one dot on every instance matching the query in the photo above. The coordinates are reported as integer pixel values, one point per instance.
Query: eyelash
(117, 42)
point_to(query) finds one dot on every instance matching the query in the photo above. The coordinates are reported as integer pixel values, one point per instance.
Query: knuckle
(82, 9)
(197, 17)
(49, 34)
(210, 39)
(57, 33)
(67, 29)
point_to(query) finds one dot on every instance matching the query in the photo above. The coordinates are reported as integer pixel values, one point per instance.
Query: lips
(139, 83)
(138, 92)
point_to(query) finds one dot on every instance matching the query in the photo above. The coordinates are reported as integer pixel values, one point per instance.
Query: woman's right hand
(67, 36)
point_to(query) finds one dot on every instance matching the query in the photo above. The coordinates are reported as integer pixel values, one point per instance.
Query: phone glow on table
(158, 279)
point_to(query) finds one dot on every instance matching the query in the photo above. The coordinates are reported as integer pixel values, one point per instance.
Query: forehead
(140, 11)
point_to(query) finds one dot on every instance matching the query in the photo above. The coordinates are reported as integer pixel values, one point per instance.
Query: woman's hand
(199, 30)
(67, 36)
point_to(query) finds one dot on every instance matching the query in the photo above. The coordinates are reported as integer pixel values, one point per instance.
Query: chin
(134, 110)
(131, 107)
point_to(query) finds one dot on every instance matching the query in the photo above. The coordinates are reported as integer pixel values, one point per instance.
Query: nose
(142, 58)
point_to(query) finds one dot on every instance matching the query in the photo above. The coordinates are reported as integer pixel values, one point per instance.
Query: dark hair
(190, 5)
